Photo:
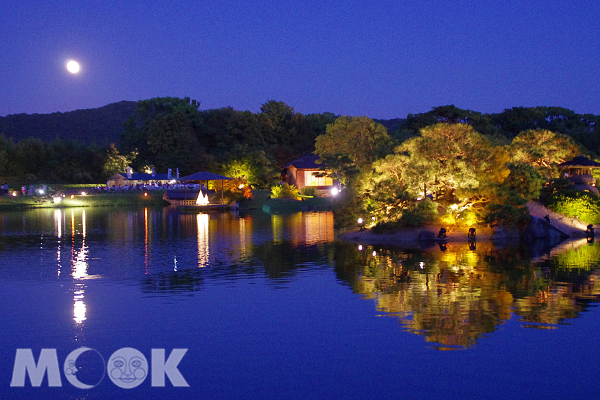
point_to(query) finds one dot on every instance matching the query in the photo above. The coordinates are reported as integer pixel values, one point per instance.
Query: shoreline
(409, 237)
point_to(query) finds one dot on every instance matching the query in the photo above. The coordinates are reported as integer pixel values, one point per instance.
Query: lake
(152, 303)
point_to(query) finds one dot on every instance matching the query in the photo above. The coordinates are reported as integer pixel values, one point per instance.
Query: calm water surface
(273, 307)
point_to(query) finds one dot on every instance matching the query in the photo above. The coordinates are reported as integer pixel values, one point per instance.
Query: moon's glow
(73, 66)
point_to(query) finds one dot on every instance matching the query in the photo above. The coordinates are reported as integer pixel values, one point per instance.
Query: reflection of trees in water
(456, 296)
(284, 259)
(180, 281)
(279, 261)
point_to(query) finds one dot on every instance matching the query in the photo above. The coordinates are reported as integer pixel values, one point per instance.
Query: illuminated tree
(115, 162)
(544, 150)
(385, 194)
(450, 160)
(254, 166)
(361, 138)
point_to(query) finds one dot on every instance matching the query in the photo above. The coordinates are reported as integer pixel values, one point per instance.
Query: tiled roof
(579, 161)
(307, 161)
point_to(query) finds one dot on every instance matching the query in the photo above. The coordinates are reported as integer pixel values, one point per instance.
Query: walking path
(571, 226)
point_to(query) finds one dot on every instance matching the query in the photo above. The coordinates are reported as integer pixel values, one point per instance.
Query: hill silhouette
(95, 126)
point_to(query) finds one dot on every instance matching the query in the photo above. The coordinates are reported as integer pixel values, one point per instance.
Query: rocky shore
(559, 228)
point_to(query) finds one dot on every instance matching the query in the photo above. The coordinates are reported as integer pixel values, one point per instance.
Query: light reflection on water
(457, 296)
(124, 271)
(452, 297)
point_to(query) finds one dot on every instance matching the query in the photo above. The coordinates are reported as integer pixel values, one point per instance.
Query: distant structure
(300, 172)
(579, 172)
(130, 178)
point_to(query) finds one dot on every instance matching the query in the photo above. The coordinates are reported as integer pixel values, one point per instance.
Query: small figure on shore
(442, 234)
(589, 232)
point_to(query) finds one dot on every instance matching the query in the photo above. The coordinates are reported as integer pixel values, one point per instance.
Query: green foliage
(587, 257)
(508, 209)
(285, 190)
(421, 212)
(360, 138)
(384, 196)
(448, 158)
(556, 187)
(5, 148)
(115, 162)
(252, 165)
(308, 191)
(525, 180)
(33, 160)
(101, 199)
(337, 167)
(162, 130)
(544, 150)
(583, 205)
(416, 214)
(291, 133)
(449, 114)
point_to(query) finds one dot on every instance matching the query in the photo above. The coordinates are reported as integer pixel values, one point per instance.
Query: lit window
(311, 180)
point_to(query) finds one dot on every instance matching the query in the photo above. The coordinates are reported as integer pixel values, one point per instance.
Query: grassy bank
(94, 200)
(262, 201)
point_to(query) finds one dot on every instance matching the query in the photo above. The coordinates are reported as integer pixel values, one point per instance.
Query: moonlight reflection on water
(272, 306)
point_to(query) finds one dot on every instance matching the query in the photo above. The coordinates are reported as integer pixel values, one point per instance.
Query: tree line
(174, 132)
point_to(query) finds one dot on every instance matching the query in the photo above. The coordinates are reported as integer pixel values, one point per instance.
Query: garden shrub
(285, 190)
(583, 205)
(309, 191)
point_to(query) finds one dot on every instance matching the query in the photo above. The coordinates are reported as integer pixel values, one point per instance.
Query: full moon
(73, 66)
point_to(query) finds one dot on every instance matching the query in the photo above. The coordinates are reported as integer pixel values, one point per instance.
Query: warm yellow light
(83, 193)
(14, 194)
(57, 199)
(72, 196)
(145, 194)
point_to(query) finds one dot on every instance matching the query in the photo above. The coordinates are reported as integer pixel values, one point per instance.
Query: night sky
(382, 59)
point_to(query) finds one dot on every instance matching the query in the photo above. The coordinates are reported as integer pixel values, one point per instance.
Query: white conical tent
(206, 176)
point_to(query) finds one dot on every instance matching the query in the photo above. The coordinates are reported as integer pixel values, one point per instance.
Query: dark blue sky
(383, 59)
